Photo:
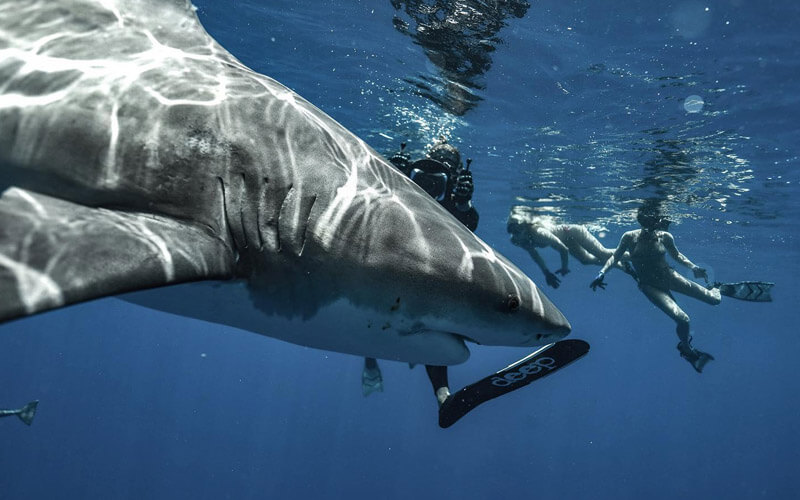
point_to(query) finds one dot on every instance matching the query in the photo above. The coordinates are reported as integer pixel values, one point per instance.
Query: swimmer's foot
(698, 359)
(442, 395)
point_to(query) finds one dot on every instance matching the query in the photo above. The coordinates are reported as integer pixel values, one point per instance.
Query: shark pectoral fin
(54, 252)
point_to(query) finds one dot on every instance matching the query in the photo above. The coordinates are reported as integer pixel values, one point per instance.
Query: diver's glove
(598, 282)
(552, 279)
(462, 193)
(402, 160)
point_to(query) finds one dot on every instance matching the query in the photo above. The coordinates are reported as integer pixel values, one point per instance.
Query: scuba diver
(442, 175)
(657, 280)
(26, 413)
(531, 231)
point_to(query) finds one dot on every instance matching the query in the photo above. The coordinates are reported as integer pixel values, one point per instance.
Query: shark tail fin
(27, 412)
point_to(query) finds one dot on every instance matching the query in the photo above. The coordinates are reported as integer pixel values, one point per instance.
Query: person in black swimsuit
(657, 280)
(442, 175)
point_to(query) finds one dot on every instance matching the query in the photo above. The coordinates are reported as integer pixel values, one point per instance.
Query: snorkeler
(531, 231)
(657, 280)
(442, 175)
(26, 413)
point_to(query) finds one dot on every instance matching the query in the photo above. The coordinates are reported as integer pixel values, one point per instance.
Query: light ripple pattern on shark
(136, 152)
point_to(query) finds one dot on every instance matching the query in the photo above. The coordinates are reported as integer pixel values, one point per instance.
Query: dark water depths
(579, 109)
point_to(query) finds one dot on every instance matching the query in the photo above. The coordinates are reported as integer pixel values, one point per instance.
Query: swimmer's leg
(687, 287)
(584, 257)
(589, 251)
(585, 247)
(438, 378)
(664, 301)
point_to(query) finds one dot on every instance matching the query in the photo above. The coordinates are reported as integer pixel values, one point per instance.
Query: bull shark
(136, 153)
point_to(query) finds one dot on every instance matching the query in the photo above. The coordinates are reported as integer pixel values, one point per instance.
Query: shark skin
(136, 153)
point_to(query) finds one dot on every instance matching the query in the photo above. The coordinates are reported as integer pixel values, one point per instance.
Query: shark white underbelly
(339, 326)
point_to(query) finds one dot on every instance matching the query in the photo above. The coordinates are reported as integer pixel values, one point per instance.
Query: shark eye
(512, 303)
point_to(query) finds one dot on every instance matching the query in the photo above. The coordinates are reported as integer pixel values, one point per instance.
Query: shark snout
(555, 323)
(551, 325)
(536, 339)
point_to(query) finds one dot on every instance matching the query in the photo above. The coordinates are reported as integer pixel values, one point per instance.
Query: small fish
(26, 413)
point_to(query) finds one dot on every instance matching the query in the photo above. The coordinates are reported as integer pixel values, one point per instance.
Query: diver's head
(445, 153)
(519, 218)
(526, 221)
(651, 218)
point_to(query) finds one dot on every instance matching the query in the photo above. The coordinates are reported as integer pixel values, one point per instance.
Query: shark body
(136, 153)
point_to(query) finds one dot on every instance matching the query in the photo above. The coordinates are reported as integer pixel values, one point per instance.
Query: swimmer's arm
(549, 277)
(538, 259)
(618, 263)
(669, 244)
(619, 253)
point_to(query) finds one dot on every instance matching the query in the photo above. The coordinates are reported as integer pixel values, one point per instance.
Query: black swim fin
(528, 369)
(752, 291)
(698, 359)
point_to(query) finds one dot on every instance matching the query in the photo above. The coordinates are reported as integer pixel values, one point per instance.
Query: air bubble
(693, 104)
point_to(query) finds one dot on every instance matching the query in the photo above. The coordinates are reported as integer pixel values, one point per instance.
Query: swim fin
(752, 291)
(528, 369)
(698, 359)
(371, 378)
(27, 412)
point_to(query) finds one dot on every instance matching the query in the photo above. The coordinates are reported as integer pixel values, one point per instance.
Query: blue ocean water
(577, 108)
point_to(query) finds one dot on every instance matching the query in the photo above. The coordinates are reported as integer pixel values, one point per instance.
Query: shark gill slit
(227, 217)
(307, 222)
(261, 193)
(281, 207)
(269, 206)
(256, 195)
(293, 219)
(242, 201)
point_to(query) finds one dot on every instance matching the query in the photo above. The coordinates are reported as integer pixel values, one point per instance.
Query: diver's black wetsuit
(468, 217)
(439, 181)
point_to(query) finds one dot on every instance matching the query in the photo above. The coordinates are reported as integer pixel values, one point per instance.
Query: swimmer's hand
(552, 279)
(700, 272)
(598, 282)
(563, 271)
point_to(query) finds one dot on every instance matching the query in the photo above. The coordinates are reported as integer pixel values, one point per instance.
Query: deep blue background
(582, 116)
